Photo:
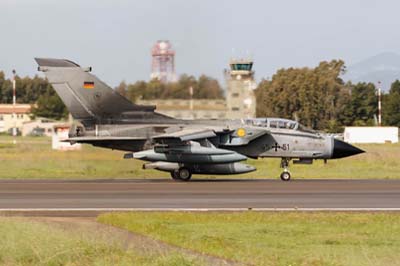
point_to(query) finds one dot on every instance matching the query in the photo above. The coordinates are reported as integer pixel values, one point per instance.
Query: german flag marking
(88, 85)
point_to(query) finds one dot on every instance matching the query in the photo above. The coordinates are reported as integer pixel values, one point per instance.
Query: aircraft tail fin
(86, 97)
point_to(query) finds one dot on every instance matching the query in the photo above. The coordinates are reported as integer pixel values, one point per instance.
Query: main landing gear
(181, 174)
(285, 176)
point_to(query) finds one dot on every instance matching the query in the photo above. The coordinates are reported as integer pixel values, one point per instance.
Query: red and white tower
(163, 62)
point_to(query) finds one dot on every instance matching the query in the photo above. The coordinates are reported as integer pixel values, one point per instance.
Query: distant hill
(384, 67)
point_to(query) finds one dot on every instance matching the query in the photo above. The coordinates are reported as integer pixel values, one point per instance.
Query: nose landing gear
(285, 175)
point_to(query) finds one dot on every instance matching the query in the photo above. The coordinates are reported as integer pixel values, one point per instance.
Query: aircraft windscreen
(278, 124)
(257, 122)
(282, 124)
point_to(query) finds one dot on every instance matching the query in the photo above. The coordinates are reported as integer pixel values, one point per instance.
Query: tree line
(46, 103)
(202, 88)
(320, 99)
(35, 91)
(316, 97)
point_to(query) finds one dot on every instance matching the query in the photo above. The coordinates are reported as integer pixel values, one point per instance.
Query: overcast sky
(115, 37)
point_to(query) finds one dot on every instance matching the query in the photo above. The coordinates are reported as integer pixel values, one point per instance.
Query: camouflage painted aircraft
(181, 147)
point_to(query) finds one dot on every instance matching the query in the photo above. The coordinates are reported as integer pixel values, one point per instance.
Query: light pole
(191, 101)
(379, 104)
(14, 131)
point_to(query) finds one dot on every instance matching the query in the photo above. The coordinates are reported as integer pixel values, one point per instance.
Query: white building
(40, 126)
(7, 119)
(371, 134)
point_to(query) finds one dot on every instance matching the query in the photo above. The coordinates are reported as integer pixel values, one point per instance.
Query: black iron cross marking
(276, 147)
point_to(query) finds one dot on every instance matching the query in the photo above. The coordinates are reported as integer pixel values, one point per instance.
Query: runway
(222, 194)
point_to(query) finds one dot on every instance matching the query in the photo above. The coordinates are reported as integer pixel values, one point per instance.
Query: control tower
(241, 100)
(163, 62)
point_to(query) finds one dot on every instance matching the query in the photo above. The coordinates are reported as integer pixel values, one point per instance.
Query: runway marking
(198, 209)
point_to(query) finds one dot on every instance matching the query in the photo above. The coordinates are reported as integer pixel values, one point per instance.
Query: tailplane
(86, 97)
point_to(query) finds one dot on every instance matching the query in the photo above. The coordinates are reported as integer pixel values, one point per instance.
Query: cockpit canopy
(279, 123)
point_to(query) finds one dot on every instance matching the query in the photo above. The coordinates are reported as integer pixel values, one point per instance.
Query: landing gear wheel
(182, 174)
(285, 176)
(174, 175)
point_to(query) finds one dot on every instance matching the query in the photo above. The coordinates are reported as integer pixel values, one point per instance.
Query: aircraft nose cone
(342, 149)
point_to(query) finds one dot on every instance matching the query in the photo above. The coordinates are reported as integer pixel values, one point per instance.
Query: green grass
(32, 243)
(33, 158)
(258, 238)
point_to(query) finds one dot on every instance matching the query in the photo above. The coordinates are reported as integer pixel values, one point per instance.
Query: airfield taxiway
(220, 194)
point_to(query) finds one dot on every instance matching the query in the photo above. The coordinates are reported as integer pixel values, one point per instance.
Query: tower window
(246, 67)
(235, 108)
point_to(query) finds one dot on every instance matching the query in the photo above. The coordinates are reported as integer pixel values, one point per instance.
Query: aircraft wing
(247, 138)
(93, 139)
(186, 135)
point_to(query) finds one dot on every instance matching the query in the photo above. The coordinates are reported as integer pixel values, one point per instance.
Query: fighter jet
(181, 147)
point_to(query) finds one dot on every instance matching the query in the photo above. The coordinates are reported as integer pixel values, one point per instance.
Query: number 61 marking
(285, 147)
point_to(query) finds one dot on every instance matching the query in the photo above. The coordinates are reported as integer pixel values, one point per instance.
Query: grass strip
(260, 238)
(24, 242)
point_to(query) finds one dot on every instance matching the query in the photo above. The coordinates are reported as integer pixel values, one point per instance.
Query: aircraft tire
(184, 174)
(174, 175)
(285, 176)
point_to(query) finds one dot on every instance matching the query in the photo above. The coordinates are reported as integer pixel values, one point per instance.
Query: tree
(362, 107)
(122, 88)
(135, 91)
(203, 88)
(2, 82)
(391, 105)
(313, 96)
(207, 88)
(49, 105)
